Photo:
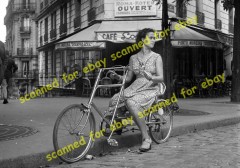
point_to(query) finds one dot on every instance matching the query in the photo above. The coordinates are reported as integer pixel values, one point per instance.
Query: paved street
(216, 148)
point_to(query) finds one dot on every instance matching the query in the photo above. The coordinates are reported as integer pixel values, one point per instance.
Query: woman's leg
(133, 109)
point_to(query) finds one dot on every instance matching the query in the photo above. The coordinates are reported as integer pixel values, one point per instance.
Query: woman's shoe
(146, 145)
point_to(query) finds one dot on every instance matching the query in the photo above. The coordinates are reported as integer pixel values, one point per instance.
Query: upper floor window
(218, 22)
(63, 14)
(231, 21)
(46, 25)
(40, 27)
(181, 8)
(91, 3)
(77, 7)
(53, 20)
(25, 21)
(25, 4)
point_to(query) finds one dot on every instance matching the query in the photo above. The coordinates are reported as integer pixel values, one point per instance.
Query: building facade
(76, 33)
(21, 41)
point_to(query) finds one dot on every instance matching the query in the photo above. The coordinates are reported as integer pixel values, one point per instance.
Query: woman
(148, 68)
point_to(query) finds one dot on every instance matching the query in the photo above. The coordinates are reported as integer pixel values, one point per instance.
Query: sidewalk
(41, 114)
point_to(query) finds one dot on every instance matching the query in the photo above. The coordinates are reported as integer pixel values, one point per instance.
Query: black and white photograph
(120, 84)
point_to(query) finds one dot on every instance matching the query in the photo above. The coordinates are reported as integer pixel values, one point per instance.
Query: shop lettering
(128, 36)
(110, 36)
(82, 44)
(134, 8)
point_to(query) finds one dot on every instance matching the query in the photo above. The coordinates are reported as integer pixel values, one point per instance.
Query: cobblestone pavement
(216, 148)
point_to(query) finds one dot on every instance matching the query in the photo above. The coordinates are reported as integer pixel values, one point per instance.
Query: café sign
(135, 8)
(193, 43)
(117, 36)
(76, 45)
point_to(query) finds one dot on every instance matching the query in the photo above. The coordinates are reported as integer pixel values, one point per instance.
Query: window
(25, 46)
(63, 14)
(25, 22)
(218, 22)
(46, 25)
(199, 12)
(25, 4)
(40, 27)
(77, 8)
(91, 57)
(25, 68)
(53, 61)
(53, 21)
(231, 21)
(181, 9)
(46, 63)
(91, 3)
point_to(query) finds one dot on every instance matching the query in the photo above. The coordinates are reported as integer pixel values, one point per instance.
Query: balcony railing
(24, 51)
(53, 34)
(77, 22)
(63, 28)
(25, 29)
(218, 24)
(231, 28)
(46, 37)
(26, 75)
(23, 7)
(41, 40)
(92, 14)
(200, 18)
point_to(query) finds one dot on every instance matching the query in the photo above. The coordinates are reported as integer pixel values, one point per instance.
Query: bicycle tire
(157, 132)
(88, 143)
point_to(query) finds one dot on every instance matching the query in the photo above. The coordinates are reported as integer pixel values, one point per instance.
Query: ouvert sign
(135, 8)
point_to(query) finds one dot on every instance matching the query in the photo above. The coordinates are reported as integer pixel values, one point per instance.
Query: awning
(83, 39)
(124, 31)
(218, 36)
(186, 37)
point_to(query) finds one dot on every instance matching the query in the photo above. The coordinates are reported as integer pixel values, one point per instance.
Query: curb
(101, 146)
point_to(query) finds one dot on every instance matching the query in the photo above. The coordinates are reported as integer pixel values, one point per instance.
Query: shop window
(90, 57)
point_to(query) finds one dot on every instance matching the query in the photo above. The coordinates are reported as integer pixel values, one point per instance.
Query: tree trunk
(235, 95)
(166, 49)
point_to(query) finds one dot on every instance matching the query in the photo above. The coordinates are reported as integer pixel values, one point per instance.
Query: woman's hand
(147, 75)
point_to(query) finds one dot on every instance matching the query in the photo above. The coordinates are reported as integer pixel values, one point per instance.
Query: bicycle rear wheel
(160, 126)
(71, 133)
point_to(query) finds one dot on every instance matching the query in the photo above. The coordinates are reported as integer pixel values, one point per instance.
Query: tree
(228, 4)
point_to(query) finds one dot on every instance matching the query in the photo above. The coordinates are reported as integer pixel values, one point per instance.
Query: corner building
(21, 42)
(75, 33)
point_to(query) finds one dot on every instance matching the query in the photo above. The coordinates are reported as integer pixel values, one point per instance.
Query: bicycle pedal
(112, 142)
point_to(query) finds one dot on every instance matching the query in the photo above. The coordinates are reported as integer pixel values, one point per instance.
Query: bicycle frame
(96, 86)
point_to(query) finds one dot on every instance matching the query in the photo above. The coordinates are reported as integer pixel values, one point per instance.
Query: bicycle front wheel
(71, 133)
(160, 125)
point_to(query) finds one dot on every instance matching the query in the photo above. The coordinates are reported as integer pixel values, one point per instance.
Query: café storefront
(194, 54)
